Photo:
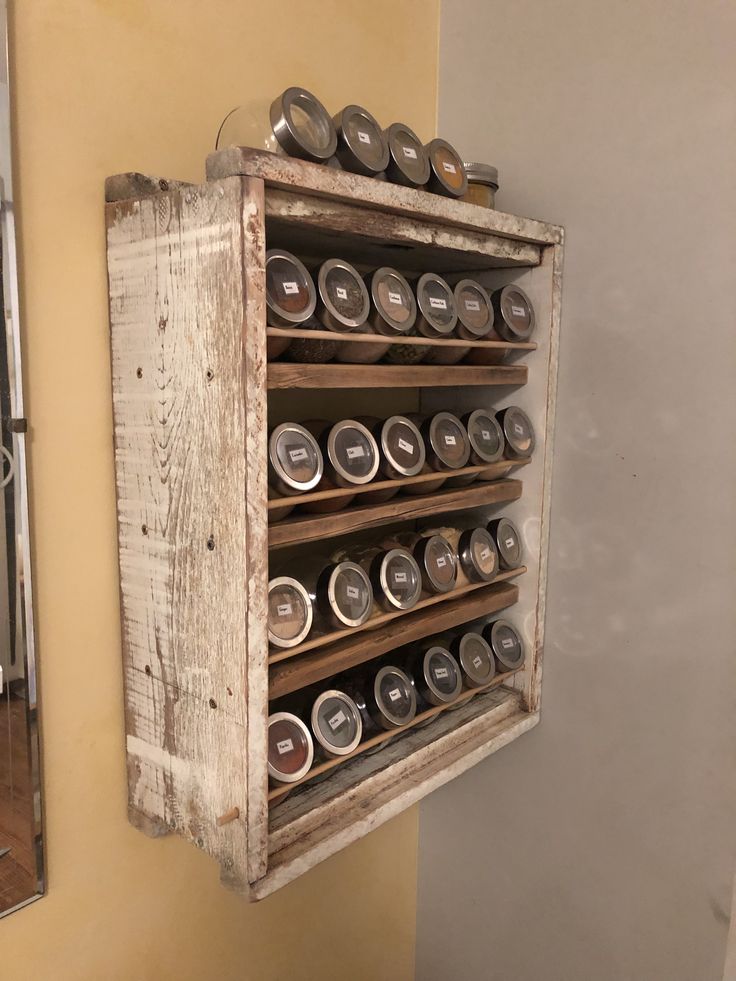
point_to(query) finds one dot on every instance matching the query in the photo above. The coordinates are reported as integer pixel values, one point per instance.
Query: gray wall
(600, 847)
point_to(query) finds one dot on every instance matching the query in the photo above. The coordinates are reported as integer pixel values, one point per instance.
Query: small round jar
(344, 595)
(446, 441)
(474, 322)
(342, 305)
(393, 312)
(289, 612)
(295, 462)
(402, 448)
(408, 161)
(437, 675)
(302, 126)
(446, 170)
(518, 432)
(361, 145)
(514, 314)
(486, 438)
(482, 184)
(506, 644)
(478, 555)
(290, 748)
(290, 297)
(437, 561)
(437, 314)
(336, 724)
(475, 658)
(508, 542)
(351, 453)
(391, 698)
(396, 579)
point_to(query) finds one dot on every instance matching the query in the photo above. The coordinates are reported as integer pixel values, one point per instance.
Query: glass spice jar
(486, 439)
(336, 724)
(392, 313)
(515, 319)
(391, 699)
(342, 305)
(436, 673)
(518, 432)
(476, 551)
(482, 184)
(475, 658)
(361, 145)
(290, 748)
(506, 644)
(408, 161)
(508, 542)
(446, 441)
(344, 595)
(294, 464)
(401, 453)
(290, 297)
(447, 172)
(290, 612)
(437, 561)
(351, 457)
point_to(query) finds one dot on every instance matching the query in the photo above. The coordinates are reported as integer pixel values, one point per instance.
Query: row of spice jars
(320, 455)
(300, 126)
(386, 696)
(319, 594)
(384, 305)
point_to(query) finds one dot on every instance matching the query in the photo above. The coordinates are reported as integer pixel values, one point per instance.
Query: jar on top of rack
(408, 161)
(447, 172)
(482, 184)
(342, 305)
(393, 312)
(361, 144)
(436, 673)
(475, 658)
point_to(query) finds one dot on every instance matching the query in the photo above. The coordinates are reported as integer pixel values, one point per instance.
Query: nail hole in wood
(144, 529)
(164, 185)
(148, 669)
(211, 543)
(210, 375)
(213, 703)
(229, 691)
(139, 373)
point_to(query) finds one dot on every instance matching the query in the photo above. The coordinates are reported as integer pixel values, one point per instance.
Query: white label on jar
(519, 430)
(450, 168)
(485, 433)
(518, 311)
(353, 592)
(437, 304)
(441, 562)
(509, 543)
(342, 294)
(291, 287)
(284, 610)
(406, 447)
(394, 694)
(395, 298)
(337, 720)
(285, 746)
(400, 577)
(472, 305)
(450, 441)
(355, 452)
(410, 152)
(440, 672)
(363, 137)
(296, 455)
(477, 661)
(484, 554)
(507, 643)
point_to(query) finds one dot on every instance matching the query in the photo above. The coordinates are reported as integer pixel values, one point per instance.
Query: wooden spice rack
(193, 398)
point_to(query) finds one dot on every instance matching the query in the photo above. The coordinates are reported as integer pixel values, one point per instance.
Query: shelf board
(309, 528)
(357, 337)
(282, 374)
(276, 656)
(277, 793)
(310, 668)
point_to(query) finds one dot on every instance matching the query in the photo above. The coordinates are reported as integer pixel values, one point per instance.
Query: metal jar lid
(518, 431)
(508, 542)
(447, 172)
(438, 563)
(448, 440)
(343, 297)
(290, 294)
(294, 459)
(353, 451)
(349, 594)
(475, 657)
(436, 303)
(487, 442)
(439, 679)
(336, 723)
(506, 644)
(394, 697)
(397, 579)
(361, 144)
(289, 612)
(474, 310)
(478, 173)
(402, 446)
(394, 302)
(515, 318)
(302, 125)
(478, 555)
(290, 748)
(408, 163)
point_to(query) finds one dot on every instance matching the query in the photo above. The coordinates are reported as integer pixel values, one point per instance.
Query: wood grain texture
(286, 173)
(121, 187)
(178, 302)
(411, 508)
(283, 375)
(308, 669)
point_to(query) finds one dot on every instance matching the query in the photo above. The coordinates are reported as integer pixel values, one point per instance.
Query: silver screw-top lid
(518, 431)
(474, 308)
(478, 555)
(295, 457)
(353, 451)
(447, 170)
(302, 125)
(441, 676)
(437, 303)
(506, 644)
(438, 563)
(402, 445)
(361, 144)
(399, 578)
(349, 594)
(290, 294)
(336, 723)
(394, 301)
(290, 748)
(409, 161)
(514, 313)
(508, 542)
(343, 295)
(485, 435)
(480, 173)
(394, 696)
(475, 657)
(449, 440)
(289, 612)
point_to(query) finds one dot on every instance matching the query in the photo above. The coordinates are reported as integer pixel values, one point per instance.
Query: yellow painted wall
(103, 86)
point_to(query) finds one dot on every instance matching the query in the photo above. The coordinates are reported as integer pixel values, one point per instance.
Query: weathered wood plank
(286, 173)
(121, 187)
(284, 375)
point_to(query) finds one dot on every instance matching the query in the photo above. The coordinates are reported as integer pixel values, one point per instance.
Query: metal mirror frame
(14, 473)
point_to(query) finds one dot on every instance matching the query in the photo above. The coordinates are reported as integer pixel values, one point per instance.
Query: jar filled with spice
(350, 458)
(408, 161)
(290, 297)
(290, 612)
(294, 464)
(506, 644)
(518, 432)
(336, 724)
(482, 184)
(290, 748)
(392, 314)
(447, 172)
(342, 306)
(508, 542)
(361, 144)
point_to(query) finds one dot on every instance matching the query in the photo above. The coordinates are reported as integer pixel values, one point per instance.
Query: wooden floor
(17, 867)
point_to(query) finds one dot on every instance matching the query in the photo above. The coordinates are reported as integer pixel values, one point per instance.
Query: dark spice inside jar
(361, 144)
(336, 723)
(515, 319)
(506, 644)
(290, 292)
(290, 748)
(508, 542)
(408, 163)
(475, 658)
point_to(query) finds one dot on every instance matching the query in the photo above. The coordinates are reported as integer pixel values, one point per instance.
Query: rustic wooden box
(191, 390)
